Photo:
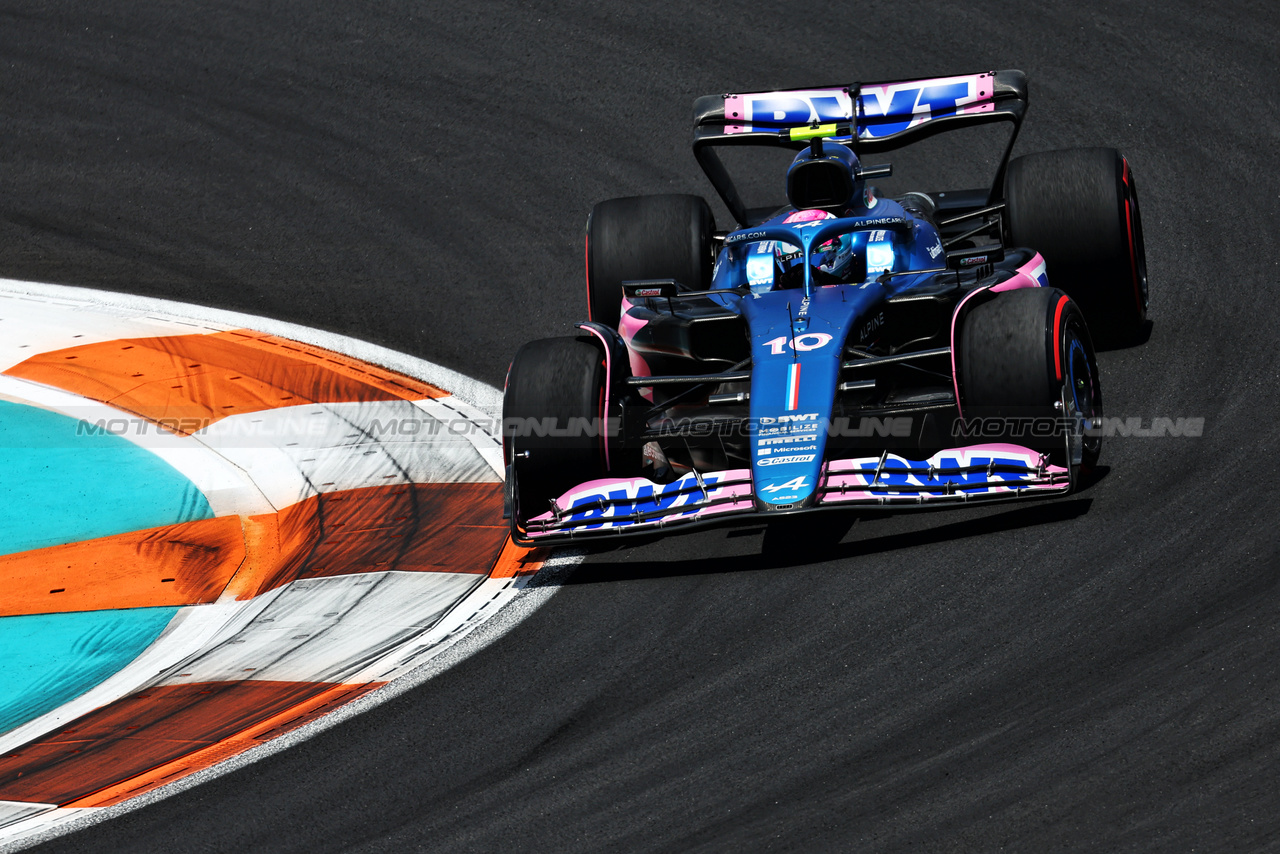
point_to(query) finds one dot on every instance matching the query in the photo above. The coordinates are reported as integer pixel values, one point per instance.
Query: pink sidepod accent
(1037, 270)
(1032, 274)
(628, 327)
(1016, 283)
(608, 391)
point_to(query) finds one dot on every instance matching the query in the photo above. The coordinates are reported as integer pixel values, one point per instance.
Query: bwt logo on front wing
(637, 496)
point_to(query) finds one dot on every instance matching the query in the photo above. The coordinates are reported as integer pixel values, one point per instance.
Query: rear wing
(878, 117)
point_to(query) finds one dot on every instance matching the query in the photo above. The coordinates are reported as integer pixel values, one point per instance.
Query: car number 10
(803, 343)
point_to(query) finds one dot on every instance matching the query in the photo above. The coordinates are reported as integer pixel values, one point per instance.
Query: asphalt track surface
(1100, 672)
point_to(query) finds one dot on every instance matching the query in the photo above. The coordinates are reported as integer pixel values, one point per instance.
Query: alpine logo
(871, 326)
(884, 220)
(794, 483)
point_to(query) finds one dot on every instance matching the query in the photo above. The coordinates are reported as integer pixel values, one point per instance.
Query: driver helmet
(775, 264)
(832, 256)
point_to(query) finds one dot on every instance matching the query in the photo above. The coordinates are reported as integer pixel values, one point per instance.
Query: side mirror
(884, 170)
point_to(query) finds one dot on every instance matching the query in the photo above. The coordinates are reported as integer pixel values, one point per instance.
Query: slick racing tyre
(1079, 209)
(645, 237)
(552, 418)
(1028, 371)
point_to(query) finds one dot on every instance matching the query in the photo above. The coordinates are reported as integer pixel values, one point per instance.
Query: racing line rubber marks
(210, 536)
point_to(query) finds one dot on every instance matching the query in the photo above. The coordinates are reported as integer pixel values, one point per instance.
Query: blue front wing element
(796, 347)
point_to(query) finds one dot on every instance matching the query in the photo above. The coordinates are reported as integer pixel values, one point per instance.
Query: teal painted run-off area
(50, 659)
(62, 483)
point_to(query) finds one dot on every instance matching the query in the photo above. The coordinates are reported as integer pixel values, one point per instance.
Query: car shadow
(1104, 343)
(818, 537)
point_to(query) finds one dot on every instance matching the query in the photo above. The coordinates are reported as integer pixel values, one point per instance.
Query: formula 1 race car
(841, 350)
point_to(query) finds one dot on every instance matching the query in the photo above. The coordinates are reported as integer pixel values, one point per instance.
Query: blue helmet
(827, 181)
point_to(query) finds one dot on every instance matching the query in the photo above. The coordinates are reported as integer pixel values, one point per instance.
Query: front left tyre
(553, 419)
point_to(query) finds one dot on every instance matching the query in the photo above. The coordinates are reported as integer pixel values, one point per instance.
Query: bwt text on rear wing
(872, 117)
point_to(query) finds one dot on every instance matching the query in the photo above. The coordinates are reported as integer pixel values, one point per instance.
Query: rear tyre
(645, 237)
(1027, 362)
(1079, 209)
(552, 414)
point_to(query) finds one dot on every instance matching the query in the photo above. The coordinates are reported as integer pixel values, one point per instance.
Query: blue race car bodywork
(829, 358)
(797, 337)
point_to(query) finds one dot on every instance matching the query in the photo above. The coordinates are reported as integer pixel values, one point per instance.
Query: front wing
(614, 506)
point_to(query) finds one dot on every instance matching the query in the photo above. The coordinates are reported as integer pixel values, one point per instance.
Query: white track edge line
(472, 391)
(516, 601)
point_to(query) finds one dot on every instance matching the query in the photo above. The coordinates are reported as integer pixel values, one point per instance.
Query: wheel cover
(1079, 397)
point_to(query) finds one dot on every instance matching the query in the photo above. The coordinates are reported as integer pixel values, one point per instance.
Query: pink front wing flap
(969, 473)
(977, 470)
(615, 502)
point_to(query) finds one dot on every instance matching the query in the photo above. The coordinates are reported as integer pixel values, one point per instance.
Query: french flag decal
(1040, 275)
(793, 386)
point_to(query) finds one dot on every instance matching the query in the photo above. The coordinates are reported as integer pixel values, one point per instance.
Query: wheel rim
(1079, 396)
